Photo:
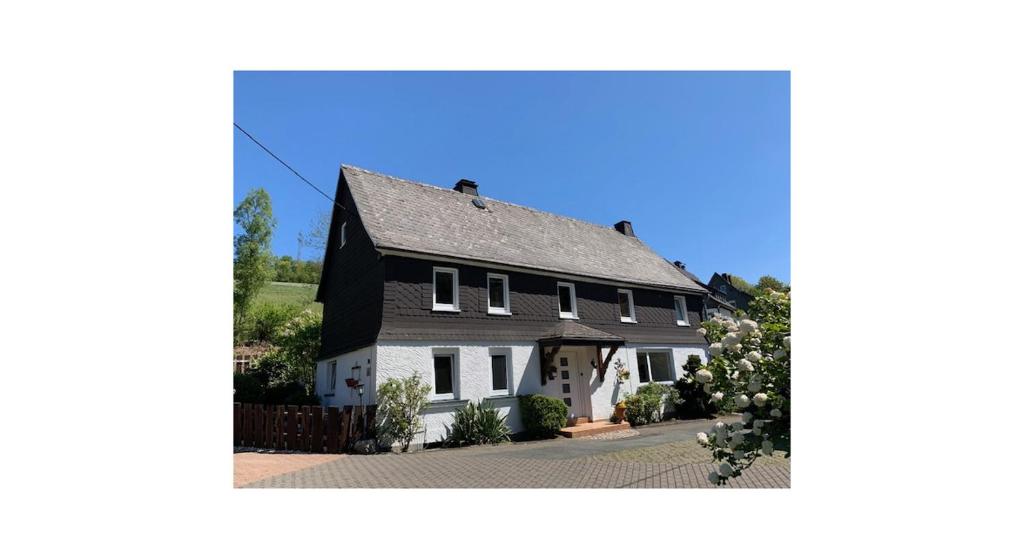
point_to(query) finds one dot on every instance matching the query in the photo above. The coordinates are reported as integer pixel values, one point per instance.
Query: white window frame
(572, 296)
(445, 352)
(332, 376)
(650, 372)
(682, 305)
(632, 310)
(445, 307)
(507, 352)
(344, 234)
(505, 310)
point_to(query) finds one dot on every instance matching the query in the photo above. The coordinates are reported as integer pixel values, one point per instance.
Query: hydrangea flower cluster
(748, 373)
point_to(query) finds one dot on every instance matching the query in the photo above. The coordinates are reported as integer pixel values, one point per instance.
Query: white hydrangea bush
(748, 373)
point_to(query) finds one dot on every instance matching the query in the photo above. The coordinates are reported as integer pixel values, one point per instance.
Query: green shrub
(692, 401)
(658, 395)
(267, 320)
(477, 423)
(542, 416)
(400, 401)
(248, 389)
(641, 409)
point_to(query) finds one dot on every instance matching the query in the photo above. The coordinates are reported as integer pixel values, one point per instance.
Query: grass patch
(294, 294)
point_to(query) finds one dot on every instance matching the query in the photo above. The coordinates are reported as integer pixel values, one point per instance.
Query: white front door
(573, 384)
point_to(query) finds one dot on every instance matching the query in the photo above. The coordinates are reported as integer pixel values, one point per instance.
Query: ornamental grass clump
(477, 423)
(749, 372)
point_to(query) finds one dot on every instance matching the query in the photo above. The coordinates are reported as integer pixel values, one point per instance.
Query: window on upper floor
(655, 365)
(566, 300)
(446, 289)
(497, 294)
(626, 311)
(681, 318)
(344, 234)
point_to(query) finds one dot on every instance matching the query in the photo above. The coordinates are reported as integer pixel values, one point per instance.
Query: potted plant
(620, 410)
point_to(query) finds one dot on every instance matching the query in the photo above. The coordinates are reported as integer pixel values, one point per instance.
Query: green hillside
(299, 294)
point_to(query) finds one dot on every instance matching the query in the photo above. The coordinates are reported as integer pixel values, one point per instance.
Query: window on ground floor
(332, 378)
(444, 376)
(500, 372)
(655, 366)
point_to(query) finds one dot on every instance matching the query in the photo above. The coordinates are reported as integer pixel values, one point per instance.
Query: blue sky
(698, 161)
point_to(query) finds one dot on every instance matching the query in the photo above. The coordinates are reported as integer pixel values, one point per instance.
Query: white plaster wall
(343, 395)
(473, 377)
(680, 353)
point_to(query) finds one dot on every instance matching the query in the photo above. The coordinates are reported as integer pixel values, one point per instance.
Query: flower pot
(620, 411)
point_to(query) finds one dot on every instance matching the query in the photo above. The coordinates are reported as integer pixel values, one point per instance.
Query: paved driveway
(664, 455)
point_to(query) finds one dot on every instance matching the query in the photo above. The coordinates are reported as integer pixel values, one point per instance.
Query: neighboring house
(722, 286)
(491, 300)
(714, 304)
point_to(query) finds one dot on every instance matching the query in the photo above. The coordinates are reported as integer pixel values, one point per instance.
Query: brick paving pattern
(664, 456)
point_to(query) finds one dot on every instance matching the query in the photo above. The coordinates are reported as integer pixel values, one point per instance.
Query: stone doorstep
(593, 428)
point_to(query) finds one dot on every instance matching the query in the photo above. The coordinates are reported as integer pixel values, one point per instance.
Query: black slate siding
(407, 302)
(352, 284)
(734, 296)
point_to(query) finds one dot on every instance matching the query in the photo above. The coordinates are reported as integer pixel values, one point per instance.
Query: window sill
(451, 403)
(499, 312)
(567, 317)
(681, 323)
(445, 309)
(496, 397)
(627, 320)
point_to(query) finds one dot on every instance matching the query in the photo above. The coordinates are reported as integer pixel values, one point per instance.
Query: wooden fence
(307, 428)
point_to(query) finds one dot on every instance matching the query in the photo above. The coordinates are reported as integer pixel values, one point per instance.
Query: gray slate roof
(570, 330)
(405, 215)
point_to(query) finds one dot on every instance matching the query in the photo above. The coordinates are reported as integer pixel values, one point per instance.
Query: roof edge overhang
(539, 271)
(581, 341)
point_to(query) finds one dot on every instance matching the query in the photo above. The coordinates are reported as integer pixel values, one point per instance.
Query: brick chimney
(625, 227)
(466, 186)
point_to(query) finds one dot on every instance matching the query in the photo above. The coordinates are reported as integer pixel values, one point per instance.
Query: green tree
(316, 236)
(252, 251)
(769, 282)
(299, 340)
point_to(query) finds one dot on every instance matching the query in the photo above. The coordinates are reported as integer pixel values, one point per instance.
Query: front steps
(589, 428)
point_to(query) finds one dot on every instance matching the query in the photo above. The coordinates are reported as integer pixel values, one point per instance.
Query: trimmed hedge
(542, 416)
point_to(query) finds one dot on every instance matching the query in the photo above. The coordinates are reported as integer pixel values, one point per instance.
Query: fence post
(279, 421)
(258, 427)
(268, 427)
(238, 424)
(247, 424)
(317, 433)
(307, 427)
(292, 426)
(332, 429)
(346, 426)
(371, 421)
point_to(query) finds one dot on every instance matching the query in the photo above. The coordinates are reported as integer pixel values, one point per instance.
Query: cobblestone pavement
(663, 455)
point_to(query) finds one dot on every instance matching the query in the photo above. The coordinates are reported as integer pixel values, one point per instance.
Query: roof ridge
(507, 203)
